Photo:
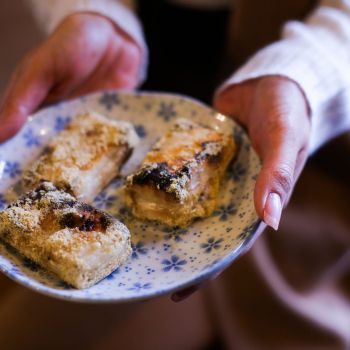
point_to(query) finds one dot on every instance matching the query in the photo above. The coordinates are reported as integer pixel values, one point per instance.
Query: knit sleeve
(316, 55)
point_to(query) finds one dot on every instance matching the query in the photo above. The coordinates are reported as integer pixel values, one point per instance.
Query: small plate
(163, 259)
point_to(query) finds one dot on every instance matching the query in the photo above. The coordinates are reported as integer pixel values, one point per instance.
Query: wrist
(236, 100)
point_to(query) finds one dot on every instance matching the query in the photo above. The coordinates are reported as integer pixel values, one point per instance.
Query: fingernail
(273, 210)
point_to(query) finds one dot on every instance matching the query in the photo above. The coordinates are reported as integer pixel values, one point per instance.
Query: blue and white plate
(163, 259)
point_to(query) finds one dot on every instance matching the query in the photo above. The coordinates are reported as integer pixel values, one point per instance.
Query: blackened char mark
(208, 155)
(86, 219)
(159, 176)
(35, 195)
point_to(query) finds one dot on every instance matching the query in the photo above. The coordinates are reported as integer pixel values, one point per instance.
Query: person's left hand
(275, 113)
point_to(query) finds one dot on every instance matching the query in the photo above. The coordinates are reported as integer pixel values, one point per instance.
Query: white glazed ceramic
(163, 259)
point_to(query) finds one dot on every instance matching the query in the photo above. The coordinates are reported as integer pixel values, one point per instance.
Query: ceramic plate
(163, 259)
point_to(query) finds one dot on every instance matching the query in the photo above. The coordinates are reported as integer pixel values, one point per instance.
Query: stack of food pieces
(49, 225)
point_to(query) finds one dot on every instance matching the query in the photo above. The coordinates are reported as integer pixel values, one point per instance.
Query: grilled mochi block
(78, 243)
(85, 156)
(179, 179)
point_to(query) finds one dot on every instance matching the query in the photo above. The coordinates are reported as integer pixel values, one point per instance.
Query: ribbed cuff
(317, 75)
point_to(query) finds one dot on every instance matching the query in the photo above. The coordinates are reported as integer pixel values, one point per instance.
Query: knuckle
(280, 124)
(283, 178)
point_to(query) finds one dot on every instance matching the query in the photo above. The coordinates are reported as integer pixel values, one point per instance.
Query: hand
(275, 113)
(86, 53)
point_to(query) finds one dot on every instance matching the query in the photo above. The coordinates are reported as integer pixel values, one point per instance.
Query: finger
(276, 178)
(187, 292)
(27, 89)
(101, 83)
(116, 73)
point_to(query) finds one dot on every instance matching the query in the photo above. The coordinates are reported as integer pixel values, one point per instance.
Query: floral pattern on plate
(163, 259)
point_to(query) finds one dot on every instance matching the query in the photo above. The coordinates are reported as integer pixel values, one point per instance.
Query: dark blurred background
(18, 33)
(186, 48)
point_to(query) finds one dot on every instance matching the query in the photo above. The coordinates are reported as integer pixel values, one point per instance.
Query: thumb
(276, 178)
(28, 88)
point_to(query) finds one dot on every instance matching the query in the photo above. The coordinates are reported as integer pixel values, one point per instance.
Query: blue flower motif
(174, 263)
(174, 233)
(211, 244)
(61, 122)
(2, 202)
(140, 130)
(137, 287)
(109, 99)
(104, 201)
(124, 213)
(12, 169)
(211, 264)
(112, 275)
(166, 247)
(14, 271)
(167, 111)
(150, 270)
(117, 182)
(31, 139)
(225, 211)
(138, 249)
(248, 231)
(236, 171)
(237, 134)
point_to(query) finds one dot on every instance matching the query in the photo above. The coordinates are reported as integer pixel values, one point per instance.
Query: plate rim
(201, 277)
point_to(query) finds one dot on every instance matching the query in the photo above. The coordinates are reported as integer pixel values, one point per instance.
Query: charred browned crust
(179, 178)
(173, 177)
(160, 175)
(86, 219)
(90, 144)
(80, 215)
(79, 243)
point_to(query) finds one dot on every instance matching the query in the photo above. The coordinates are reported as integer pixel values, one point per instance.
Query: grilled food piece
(85, 156)
(80, 244)
(180, 177)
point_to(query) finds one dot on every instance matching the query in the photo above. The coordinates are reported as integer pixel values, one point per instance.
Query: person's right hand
(87, 52)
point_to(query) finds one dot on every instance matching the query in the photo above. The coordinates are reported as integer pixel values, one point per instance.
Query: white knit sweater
(315, 54)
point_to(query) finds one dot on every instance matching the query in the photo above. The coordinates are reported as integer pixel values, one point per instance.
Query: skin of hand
(276, 115)
(87, 52)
